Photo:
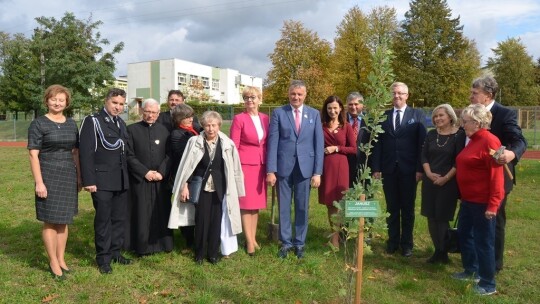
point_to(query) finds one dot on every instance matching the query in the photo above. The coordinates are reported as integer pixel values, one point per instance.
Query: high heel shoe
(252, 253)
(65, 271)
(55, 276)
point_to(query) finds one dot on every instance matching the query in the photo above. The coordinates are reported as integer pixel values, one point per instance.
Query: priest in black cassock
(149, 165)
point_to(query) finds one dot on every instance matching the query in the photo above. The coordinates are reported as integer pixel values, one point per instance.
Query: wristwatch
(337, 149)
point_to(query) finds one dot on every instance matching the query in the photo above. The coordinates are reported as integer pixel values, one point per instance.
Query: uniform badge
(157, 141)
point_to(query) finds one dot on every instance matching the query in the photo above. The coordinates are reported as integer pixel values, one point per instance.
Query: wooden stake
(360, 256)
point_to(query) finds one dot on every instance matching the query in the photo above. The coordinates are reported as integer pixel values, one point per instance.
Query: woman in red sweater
(481, 183)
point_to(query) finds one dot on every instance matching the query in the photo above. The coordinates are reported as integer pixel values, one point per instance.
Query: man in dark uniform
(105, 175)
(174, 98)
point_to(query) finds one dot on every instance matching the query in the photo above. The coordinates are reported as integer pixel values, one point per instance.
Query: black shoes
(121, 260)
(213, 261)
(439, 257)
(283, 252)
(105, 269)
(391, 250)
(407, 252)
(61, 277)
(299, 252)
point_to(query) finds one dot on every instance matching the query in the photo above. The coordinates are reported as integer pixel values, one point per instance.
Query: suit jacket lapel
(305, 119)
(407, 116)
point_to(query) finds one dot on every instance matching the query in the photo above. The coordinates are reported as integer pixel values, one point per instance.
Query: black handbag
(195, 184)
(194, 187)
(451, 241)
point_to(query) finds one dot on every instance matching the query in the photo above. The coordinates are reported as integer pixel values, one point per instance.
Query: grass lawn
(319, 278)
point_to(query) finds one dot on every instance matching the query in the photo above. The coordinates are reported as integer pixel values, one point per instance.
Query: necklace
(56, 123)
(439, 145)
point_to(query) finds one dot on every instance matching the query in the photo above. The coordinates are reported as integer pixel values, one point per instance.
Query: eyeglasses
(249, 97)
(399, 93)
(150, 112)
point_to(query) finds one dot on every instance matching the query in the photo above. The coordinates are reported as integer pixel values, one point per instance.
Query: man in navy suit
(504, 126)
(396, 157)
(355, 118)
(295, 161)
(105, 175)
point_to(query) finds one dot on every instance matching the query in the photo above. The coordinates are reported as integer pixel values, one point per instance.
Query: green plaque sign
(362, 209)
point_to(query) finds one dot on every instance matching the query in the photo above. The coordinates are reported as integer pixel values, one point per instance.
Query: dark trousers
(476, 240)
(500, 227)
(109, 224)
(437, 231)
(188, 233)
(400, 193)
(208, 214)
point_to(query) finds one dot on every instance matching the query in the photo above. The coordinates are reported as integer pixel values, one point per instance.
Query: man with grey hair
(149, 165)
(504, 126)
(355, 118)
(397, 158)
(295, 161)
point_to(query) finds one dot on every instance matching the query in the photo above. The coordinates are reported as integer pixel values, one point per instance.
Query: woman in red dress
(339, 141)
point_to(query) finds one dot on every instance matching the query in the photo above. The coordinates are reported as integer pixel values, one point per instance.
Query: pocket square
(411, 121)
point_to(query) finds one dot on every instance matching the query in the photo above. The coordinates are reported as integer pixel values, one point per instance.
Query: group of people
(217, 184)
(458, 159)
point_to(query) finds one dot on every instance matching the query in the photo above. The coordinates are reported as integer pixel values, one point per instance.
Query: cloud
(239, 34)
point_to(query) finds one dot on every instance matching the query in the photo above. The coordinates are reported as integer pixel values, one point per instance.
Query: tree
(19, 74)
(383, 26)
(72, 55)
(515, 72)
(432, 55)
(351, 53)
(299, 54)
(379, 81)
(67, 52)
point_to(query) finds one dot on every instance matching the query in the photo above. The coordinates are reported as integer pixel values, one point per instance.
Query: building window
(206, 82)
(215, 84)
(194, 80)
(182, 78)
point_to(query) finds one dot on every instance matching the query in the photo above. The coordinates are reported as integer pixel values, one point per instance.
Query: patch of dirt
(13, 143)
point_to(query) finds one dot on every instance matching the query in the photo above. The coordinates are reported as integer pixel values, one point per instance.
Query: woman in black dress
(54, 160)
(439, 187)
(183, 130)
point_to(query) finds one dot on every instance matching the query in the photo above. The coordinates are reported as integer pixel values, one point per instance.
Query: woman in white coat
(213, 156)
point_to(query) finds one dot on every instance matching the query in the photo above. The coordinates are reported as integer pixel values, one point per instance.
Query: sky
(240, 34)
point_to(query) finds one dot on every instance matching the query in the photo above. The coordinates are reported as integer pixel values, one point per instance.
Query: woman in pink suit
(339, 141)
(248, 132)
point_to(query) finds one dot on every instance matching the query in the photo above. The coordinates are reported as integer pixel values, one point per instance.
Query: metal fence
(14, 126)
